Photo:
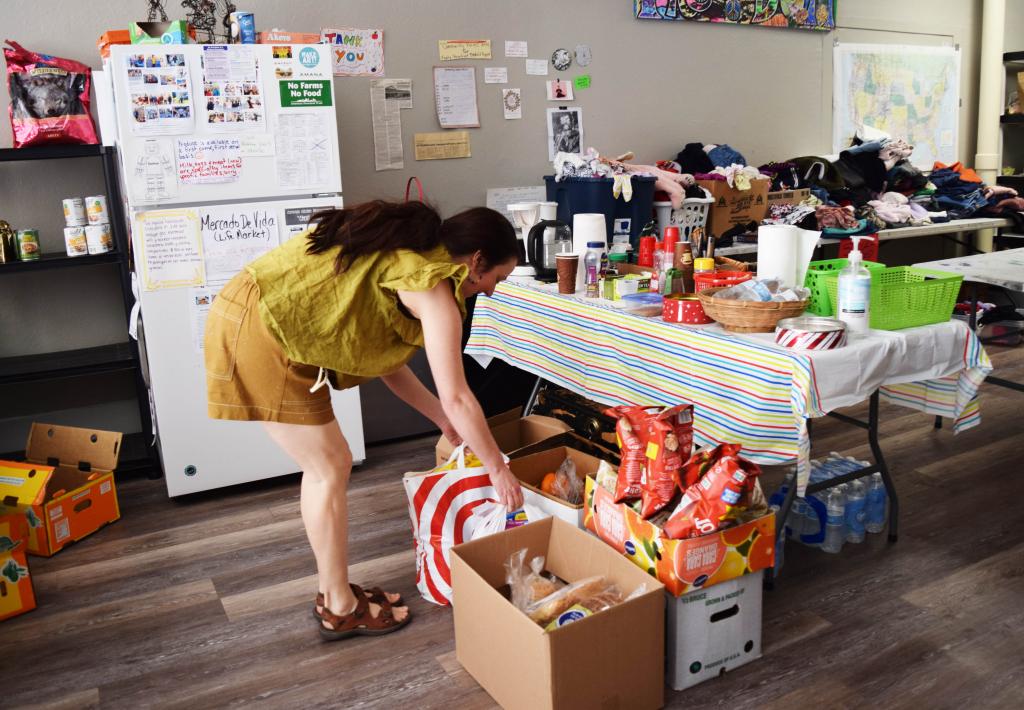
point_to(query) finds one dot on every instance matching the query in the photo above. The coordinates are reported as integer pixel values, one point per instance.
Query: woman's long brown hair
(385, 226)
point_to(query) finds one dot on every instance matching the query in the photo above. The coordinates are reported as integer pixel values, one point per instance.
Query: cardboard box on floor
(732, 206)
(16, 593)
(613, 659)
(713, 630)
(682, 565)
(511, 432)
(531, 469)
(65, 488)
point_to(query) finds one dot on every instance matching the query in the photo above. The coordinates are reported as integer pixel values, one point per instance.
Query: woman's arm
(442, 336)
(408, 388)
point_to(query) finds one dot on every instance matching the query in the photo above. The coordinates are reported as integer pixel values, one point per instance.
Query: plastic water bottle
(855, 293)
(834, 527)
(877, 500)
(856, 513)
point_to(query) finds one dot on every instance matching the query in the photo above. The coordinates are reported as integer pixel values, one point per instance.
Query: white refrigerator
(226, 151)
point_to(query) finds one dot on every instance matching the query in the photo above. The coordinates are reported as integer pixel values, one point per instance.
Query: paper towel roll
(784, 251)
(586, 227)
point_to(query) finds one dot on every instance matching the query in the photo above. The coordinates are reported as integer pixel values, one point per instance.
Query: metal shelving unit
(137, 452)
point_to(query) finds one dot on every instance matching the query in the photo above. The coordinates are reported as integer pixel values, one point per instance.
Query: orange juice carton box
(16, 593)
(686, 564)
(65, 487)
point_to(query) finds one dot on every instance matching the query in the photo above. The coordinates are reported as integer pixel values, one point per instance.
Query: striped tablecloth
(745, 389)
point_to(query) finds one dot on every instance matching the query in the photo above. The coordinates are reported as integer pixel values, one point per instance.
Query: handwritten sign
(171, 252)
(453, 49)
(355, 52)
(233, 236)
(209, 160)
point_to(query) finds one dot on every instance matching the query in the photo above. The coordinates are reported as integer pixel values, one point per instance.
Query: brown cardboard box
(511, 433)
(788, 197)
(532, 468)
(732, 206)
(613, 659)
(65, 487)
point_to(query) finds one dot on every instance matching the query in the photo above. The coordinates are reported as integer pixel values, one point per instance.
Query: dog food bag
(49, 98)
(669, 440)
(630, 431)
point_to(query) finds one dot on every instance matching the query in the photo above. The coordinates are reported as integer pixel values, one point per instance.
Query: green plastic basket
(817, 271)
(906, 296)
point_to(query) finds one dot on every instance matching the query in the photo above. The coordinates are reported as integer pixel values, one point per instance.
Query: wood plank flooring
(204, 602)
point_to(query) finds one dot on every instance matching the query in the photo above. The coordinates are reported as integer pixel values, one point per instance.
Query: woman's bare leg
(322, 453)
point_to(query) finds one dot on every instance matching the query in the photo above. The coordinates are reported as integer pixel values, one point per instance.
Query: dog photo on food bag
(46, 93)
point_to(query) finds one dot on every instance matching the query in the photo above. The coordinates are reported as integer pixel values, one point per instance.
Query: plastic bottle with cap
(855, 293)
(703, 265)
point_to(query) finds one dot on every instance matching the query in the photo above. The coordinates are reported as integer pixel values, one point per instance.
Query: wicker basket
(748, 316)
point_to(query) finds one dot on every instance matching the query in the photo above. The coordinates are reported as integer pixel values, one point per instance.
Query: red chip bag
(669, 440)
(700, 462)
(49, 98)
(630, 431)
(716, 498)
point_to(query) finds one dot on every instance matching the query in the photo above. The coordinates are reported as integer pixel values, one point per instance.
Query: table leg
(876, 450)
(528, 408)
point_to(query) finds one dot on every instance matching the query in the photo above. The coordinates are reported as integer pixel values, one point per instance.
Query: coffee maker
(524, 216)
(541, 250)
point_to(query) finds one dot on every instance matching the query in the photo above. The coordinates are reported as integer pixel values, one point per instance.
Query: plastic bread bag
(630, 432)
(669, 440)
(590, 595)
(607, 477)
(568, 485)
(528, 584)
(49, 98)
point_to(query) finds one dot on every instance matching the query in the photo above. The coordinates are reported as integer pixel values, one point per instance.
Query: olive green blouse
(349, 323)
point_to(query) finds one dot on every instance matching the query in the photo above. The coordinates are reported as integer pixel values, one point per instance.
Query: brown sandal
(377, 596)
(360, 622)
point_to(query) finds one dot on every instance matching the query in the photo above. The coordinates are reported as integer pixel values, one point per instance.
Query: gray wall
(656, 86)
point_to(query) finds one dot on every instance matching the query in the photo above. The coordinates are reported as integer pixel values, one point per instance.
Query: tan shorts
(248, 376)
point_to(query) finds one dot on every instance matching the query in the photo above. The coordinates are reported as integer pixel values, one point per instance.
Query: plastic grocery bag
(446, 506)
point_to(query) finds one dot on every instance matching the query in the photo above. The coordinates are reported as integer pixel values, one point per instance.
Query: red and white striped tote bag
(441, 506)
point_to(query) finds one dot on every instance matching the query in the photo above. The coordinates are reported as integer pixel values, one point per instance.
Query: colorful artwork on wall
(800, 14)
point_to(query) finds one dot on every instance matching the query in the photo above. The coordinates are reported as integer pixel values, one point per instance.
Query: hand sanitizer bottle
(855, 293)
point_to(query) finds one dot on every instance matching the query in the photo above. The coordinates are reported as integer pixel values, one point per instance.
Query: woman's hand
(449, 431)
(506, 485)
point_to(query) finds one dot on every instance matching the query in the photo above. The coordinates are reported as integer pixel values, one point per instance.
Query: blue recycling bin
(587, 194)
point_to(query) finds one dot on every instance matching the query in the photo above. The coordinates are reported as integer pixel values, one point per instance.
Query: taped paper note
(232, 90)
(537, 67)
(303, 149)
(234, 236)
(387, 97)
(171, 252)
(512, 103)
(257, 145)
(355, 52)
(455, 96)
(442, 146)
(209, 160)
(455, 49)
(154, 171)
(516, 49)
(582, 81)
(200, 300)
(495, 75)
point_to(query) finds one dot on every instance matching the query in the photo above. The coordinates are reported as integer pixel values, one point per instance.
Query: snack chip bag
(49, 98)
(701, 461)
(630, 431)
(718, 497)
(669, 441)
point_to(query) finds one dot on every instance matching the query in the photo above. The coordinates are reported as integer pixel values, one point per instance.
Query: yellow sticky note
(456, 49)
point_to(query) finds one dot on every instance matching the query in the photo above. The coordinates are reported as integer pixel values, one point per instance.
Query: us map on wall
(800, 14)
(910, 92)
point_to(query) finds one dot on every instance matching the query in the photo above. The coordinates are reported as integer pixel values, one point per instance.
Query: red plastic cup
(671, 237)
(645, 255)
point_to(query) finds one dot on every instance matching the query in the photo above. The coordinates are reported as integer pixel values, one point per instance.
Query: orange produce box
(16, 593)
(681, 565)
(65, 489)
